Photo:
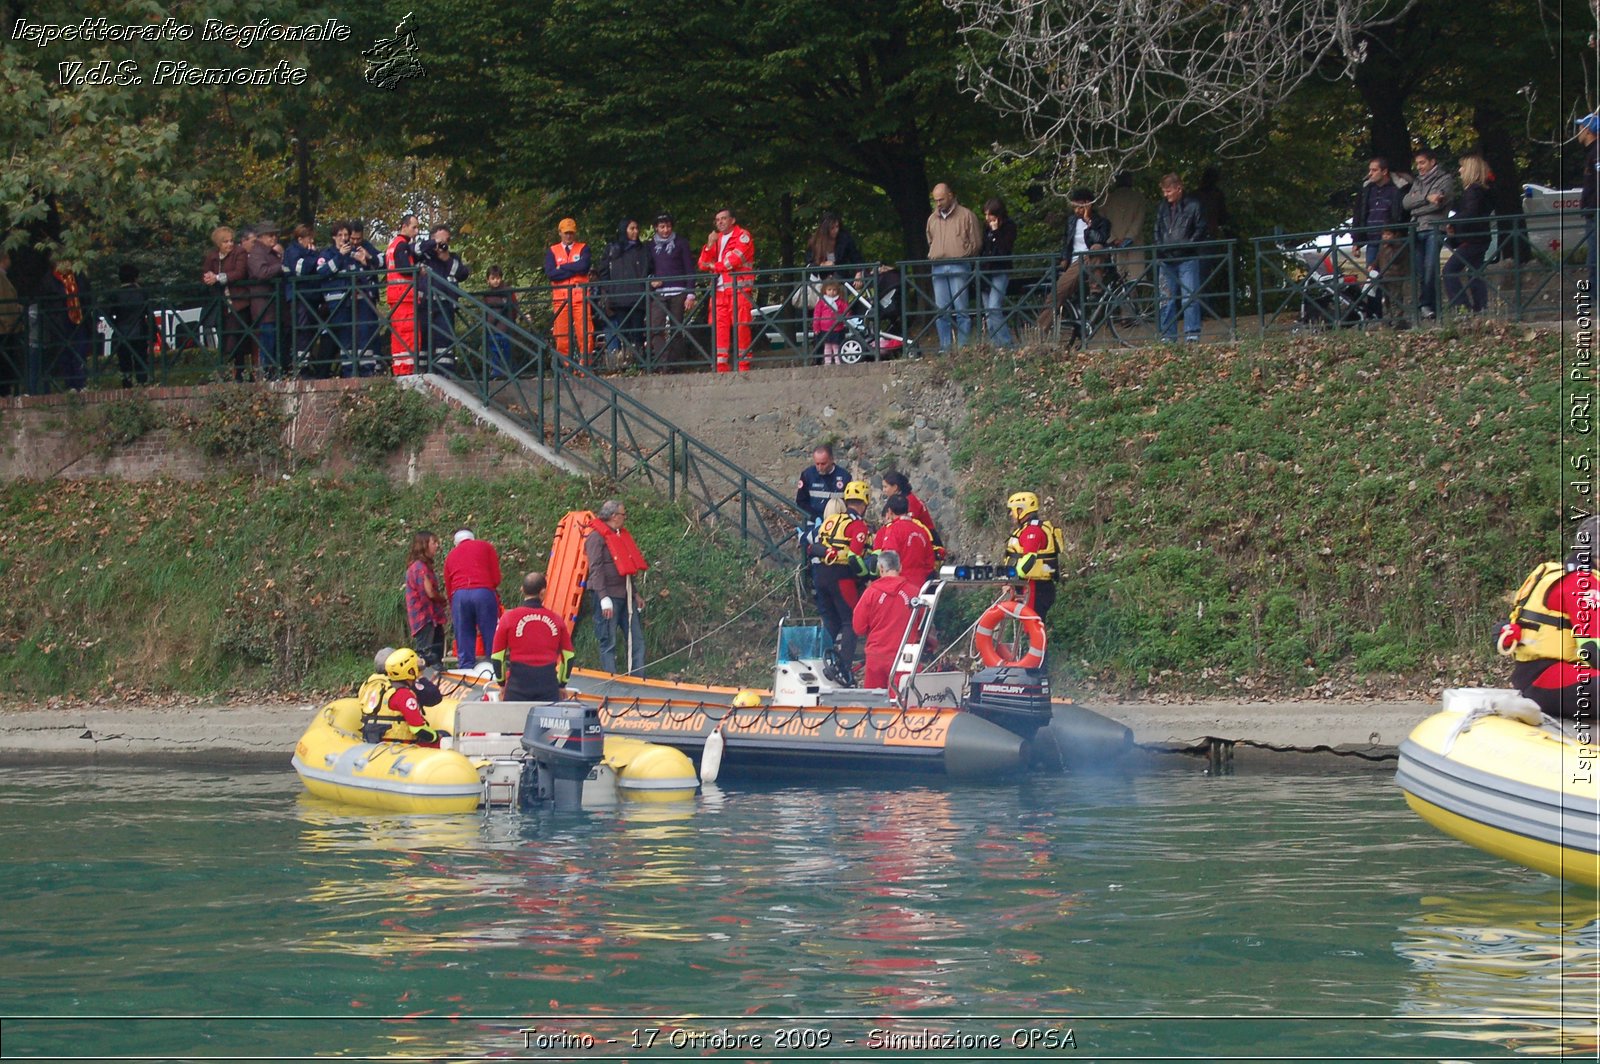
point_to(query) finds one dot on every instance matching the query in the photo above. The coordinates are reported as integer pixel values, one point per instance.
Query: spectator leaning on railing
(224, 265)
(954, 236)
(127, 311)
(1469, 236)
(1180, 225)
(672, 269)
(265, 262)
(1428, 200)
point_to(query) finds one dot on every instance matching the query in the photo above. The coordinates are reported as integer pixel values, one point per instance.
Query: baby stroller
(875, 304)
(1338, 292)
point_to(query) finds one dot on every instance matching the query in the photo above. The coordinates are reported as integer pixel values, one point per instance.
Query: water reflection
(1511, 969)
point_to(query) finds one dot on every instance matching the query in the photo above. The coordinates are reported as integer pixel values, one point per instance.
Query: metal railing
(581, 415)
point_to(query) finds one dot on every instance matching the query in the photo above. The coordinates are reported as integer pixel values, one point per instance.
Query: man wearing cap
(472, 580)
(1087, 231)
(402, 295)
(264, 260)
(1589, 136)
(566, 263)
(671, 289)
(730, 254)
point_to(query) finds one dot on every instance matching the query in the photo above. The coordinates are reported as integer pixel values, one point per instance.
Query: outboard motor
(1015, 698)
(565, 742)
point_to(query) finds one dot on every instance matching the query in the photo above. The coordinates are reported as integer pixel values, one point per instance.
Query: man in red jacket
(908, 538)
(472, 580)
(533, 646)
(881, 615)
(731, 255)
(402, 296)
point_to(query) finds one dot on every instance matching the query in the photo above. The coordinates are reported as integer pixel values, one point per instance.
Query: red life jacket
(624, 551)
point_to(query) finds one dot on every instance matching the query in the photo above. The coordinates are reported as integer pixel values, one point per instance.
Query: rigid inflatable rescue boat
(497, 753)
(1491, 771)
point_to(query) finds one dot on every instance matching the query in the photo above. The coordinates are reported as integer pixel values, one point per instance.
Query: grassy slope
(1317, 513)
(1330, 514)
(246, 585)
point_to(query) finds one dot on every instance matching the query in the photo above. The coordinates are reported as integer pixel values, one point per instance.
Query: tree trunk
(303, 194)
(1494, 140)
(1385, 97)
(786, 230)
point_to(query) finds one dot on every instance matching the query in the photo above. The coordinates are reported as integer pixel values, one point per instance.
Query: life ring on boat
(1032, 627)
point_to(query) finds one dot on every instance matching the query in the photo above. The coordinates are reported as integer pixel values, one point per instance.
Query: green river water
(167, 914)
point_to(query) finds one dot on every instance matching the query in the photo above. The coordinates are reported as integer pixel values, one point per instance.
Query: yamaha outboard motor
(1015, 698)
(565, 742)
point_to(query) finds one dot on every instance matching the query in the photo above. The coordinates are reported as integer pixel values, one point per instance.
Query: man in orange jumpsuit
(567, 266)
(402, 296)
(731, 255)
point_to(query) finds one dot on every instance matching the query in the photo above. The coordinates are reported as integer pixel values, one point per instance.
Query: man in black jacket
(1180, 224)
(435, 254)
(1086, 232)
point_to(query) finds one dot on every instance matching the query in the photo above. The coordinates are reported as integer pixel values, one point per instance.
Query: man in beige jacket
(954, 237)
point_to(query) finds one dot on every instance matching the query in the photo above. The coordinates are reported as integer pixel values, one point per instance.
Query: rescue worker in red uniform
(895, 483)
(533, 647)
(566, 263)
(841, 547)
(881, 615)
(392, 702)
(402, 297)
(1554, 632)
(731, 255)
(907, 537)
(1034, 550)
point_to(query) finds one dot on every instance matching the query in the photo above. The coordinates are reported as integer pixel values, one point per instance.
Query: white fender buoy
(711, 756)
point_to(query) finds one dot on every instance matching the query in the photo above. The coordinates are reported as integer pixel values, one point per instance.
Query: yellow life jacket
(1546, 634)
(374, 698)
(1042, 565)
(834, 536)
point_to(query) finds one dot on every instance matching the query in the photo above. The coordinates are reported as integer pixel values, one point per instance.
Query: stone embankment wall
(42, 437)
(891, 415)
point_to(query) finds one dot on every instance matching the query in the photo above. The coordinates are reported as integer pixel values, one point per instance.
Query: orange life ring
(1032, 627)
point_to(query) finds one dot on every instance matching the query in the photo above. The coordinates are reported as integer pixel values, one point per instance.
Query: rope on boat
(776, 587)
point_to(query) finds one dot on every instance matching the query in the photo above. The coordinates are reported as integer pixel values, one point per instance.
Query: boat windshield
(799, 642)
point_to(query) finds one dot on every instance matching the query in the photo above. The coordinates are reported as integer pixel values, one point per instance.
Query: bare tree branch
(1097, 82)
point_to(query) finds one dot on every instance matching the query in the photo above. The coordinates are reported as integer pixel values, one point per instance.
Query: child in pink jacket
(827, 320)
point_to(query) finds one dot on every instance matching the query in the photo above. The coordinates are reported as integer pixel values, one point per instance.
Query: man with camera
(435, 254)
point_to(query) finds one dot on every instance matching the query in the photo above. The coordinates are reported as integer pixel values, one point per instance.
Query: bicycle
(1127, 307)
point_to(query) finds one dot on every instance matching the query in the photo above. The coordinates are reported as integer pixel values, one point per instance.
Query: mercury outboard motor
(565, 742)
(1015, 698)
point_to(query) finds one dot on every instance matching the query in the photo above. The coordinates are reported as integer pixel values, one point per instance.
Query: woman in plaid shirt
(425, 601)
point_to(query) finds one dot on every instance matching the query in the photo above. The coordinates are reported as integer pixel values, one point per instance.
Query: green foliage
(1279, 513)
(288, 585)
(380, 419)
(125, 421)
(242, 426)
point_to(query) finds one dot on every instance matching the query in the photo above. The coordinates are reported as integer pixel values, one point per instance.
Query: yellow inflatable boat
(1490, 771)
(481, 763)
